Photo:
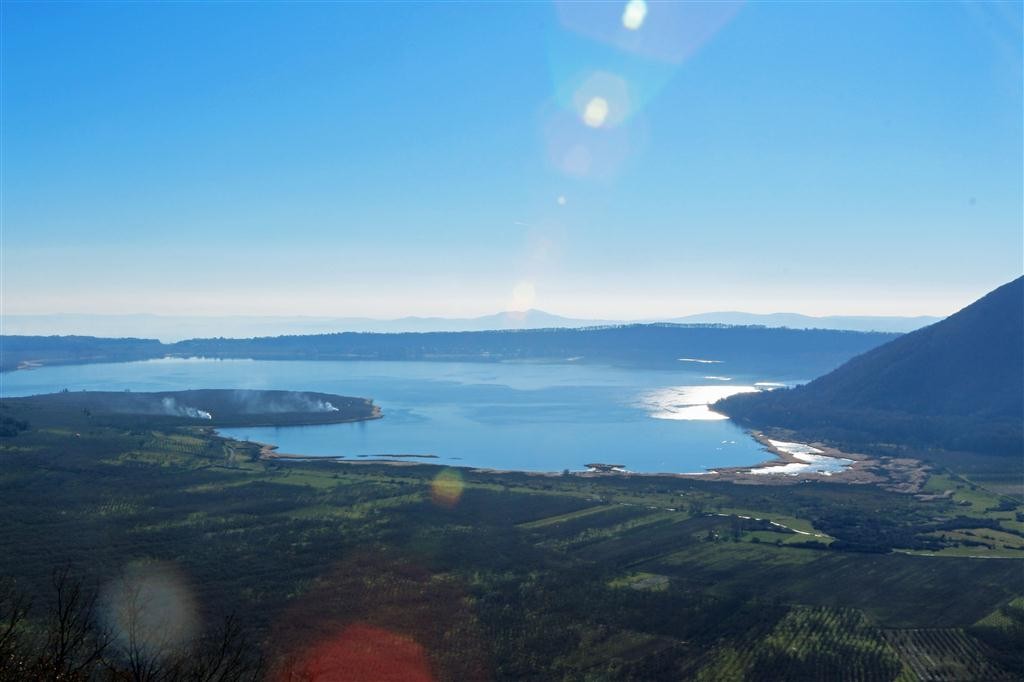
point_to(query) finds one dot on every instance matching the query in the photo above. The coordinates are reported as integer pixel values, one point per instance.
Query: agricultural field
(511, 576)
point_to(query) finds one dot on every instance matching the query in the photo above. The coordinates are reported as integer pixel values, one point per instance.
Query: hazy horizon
(510, 311)
(172, 328)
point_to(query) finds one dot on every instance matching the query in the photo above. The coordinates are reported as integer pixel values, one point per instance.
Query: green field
(512, 576)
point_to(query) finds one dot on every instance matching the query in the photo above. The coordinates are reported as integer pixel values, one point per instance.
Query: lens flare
(150, 610)
(634, 14)
(576, 160)
(602, 100)
(578, 150)
(678, 30)
(595, 112)
(523, 295)
(446, 488)
(364, 652)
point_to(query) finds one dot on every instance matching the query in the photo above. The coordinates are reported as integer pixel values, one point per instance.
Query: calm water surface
(528, 417)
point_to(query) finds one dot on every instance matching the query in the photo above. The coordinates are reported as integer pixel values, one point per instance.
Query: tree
(71, 646)
(74, 644)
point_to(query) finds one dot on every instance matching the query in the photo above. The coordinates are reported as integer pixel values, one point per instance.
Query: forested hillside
(954, 385)
(737, 348)
(801, 353)
(63, 350)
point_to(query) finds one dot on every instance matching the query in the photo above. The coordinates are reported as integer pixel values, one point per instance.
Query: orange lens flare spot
(361, 653)
(446, 488)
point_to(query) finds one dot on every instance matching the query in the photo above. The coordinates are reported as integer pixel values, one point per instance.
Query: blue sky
(454, 159)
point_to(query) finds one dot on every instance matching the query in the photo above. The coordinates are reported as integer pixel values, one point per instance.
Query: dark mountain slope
(957, 384)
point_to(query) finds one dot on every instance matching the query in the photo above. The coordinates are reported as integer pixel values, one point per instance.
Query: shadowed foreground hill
(955, 385)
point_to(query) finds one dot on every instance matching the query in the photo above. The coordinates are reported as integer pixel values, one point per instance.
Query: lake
(518, 416)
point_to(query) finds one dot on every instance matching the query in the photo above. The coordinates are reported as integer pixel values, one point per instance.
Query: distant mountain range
(861, 323)
(169, 328)
(955, 385)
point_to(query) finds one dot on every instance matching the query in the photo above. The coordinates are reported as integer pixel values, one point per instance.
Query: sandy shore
(268, 451)
(761, 473)
(738, 474)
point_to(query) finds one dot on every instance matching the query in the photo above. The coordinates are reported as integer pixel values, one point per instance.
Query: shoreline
(268, 452)
(852, 473)
(761, 473)
(902, 475)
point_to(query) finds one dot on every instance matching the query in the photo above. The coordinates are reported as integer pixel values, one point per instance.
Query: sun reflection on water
(689, 403)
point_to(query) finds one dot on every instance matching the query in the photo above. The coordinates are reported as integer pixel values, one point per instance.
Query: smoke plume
(172, 408)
